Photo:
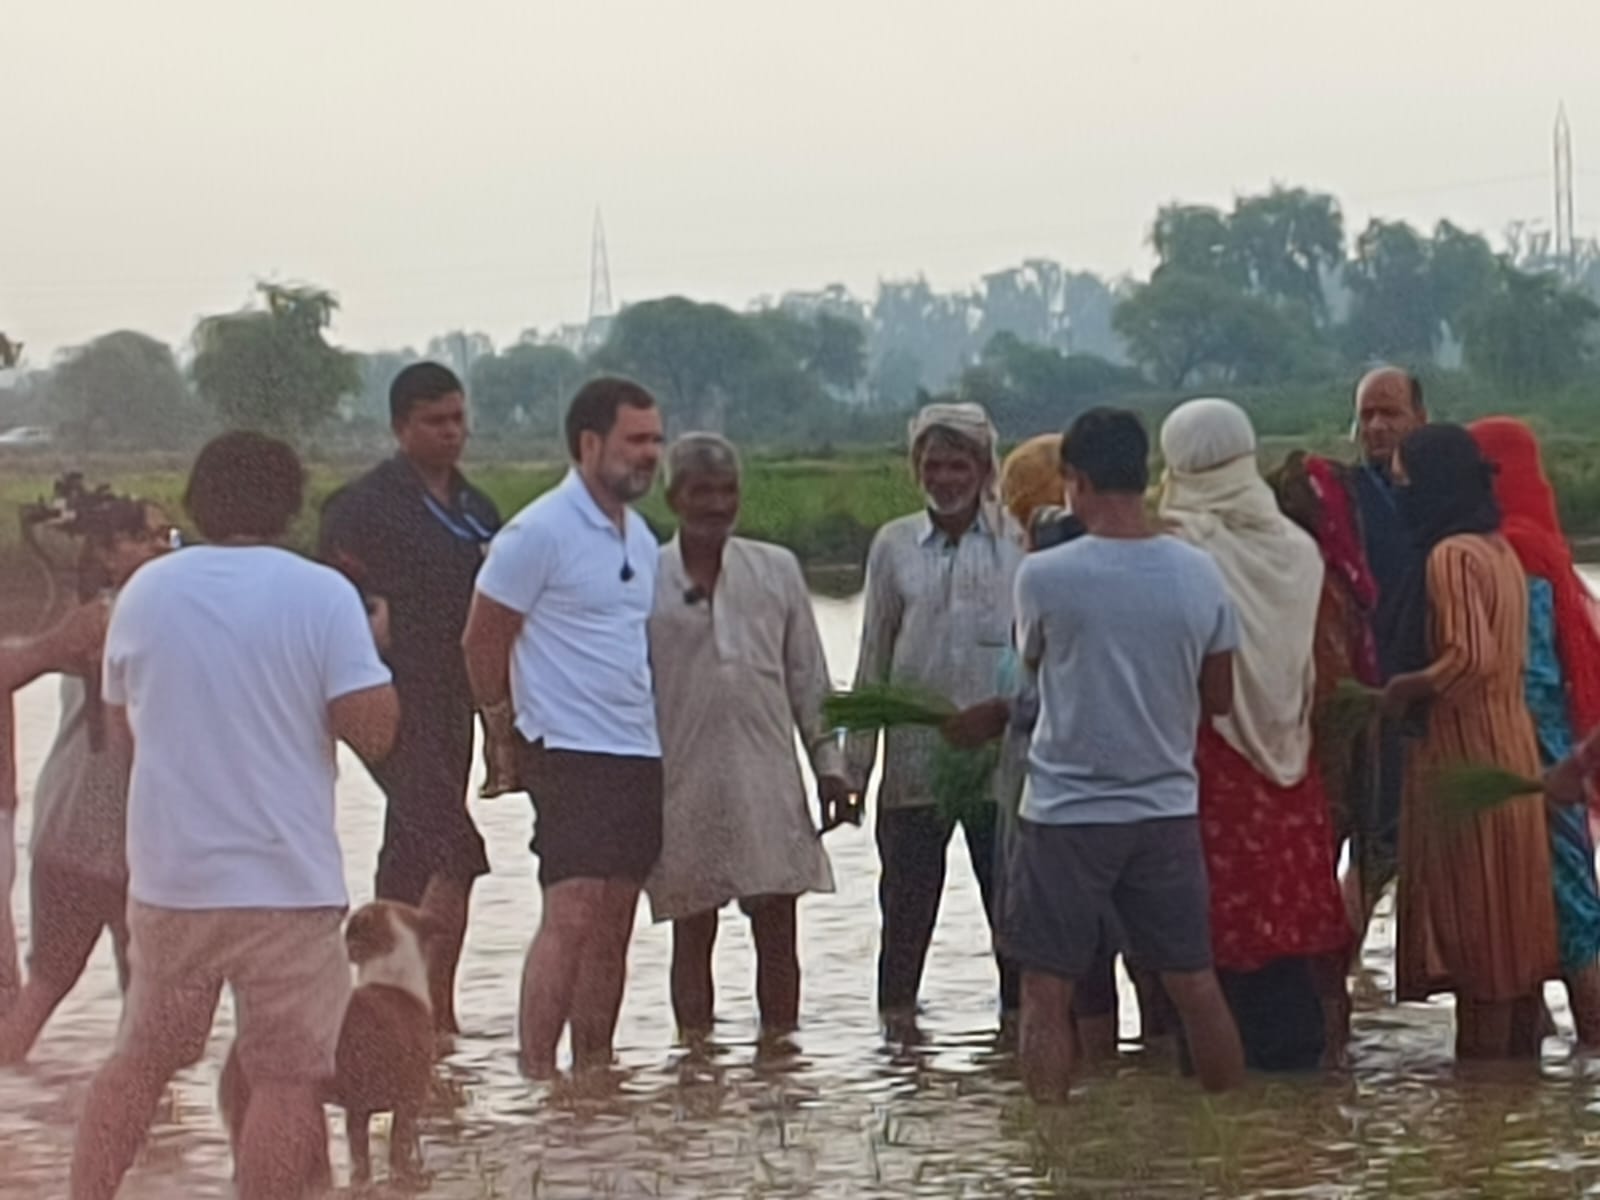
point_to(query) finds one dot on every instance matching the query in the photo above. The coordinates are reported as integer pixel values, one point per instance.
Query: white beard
(949, 510)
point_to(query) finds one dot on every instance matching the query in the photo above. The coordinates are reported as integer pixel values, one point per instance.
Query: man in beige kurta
(739, 670)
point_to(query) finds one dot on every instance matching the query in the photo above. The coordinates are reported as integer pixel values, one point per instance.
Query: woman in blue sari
(1563, 691)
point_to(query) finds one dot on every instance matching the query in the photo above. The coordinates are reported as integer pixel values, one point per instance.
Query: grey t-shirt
(1119, 628)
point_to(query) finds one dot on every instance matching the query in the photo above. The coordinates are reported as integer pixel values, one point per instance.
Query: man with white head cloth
(937, 616)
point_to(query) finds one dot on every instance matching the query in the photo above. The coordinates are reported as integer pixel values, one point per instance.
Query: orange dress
(1475, 908)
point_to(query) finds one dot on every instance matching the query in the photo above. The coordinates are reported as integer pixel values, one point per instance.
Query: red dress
(1269, 858)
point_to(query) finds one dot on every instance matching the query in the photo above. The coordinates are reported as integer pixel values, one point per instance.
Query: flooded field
(847, 1117)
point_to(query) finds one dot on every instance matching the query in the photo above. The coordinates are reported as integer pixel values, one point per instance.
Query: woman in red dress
(1277, 915)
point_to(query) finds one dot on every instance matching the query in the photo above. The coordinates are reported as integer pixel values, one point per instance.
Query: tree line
(1267, 294)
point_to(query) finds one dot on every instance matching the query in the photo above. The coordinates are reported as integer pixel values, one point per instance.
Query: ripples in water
(843, 1116)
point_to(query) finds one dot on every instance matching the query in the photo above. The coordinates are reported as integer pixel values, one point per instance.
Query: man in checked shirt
(937, 616)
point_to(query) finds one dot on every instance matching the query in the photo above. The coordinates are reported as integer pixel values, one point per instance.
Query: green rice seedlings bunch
(1464, 790)
(1342, 718)
(962, 779)
(877, 706)
(1348, 711)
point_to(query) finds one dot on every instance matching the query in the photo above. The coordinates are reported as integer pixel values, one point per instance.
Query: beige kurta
(736, 676)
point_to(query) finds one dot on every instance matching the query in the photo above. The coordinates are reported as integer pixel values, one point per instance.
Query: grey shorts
(1065, 883)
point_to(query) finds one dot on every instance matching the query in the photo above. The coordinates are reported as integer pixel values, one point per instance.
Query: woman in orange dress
(1476, 916)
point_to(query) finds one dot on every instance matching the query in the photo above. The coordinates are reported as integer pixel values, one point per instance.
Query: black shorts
(1068, 881)
(596, 816)
(427, 829)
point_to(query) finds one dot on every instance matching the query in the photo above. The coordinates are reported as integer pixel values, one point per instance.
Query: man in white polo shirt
(557, 651)
(233, 667)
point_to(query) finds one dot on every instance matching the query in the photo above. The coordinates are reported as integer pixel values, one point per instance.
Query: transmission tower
(1566, 246)
(600, 308)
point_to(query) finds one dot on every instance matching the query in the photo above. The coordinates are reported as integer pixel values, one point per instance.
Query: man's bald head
(1388, 408)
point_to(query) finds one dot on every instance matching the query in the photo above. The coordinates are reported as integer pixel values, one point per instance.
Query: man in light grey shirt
(1131, 634)
(937, 616)
(1121, 628)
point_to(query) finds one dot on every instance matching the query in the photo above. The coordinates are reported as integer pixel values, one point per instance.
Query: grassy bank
(824, 509)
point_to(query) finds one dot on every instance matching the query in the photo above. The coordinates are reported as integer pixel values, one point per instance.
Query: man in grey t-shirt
(1131, 634)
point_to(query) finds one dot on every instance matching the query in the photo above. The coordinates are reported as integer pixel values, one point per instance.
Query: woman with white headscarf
(1277, 918)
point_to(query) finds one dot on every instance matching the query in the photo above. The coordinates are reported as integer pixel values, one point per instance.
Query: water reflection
(842, 1116)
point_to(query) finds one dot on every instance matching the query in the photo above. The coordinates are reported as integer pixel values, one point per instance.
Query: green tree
(840, 357)
(1394, 310)
(1464, 272)
(1088, 303)
(273, 369)
(527, 384)
(1286, 240)
(1027, 387)
(1023, 301)
(460, 350)
(1196, 240)
(831, 349)
(370, 403)
(1533, 333)
(124, 390)
(714, 369)
(1181, 326)
(934, 329)
(895, 380)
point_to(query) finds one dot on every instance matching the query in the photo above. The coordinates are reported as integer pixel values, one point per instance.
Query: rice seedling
(872, 707)
(1464, 790)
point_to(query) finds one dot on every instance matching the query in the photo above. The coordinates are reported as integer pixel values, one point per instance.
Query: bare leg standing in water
(557, 653)
(550, 972)
(602, 977)
(694, 939)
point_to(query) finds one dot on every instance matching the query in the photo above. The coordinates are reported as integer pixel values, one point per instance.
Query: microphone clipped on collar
(626, 574)
(694, 595)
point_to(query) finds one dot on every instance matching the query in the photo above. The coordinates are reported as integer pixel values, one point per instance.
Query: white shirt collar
(927, 530)
(579, 496)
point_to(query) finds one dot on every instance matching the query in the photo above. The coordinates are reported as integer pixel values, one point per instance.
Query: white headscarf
(969, 422)
(1214, 497)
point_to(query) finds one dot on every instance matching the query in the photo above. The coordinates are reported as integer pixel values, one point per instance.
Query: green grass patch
(825, 510)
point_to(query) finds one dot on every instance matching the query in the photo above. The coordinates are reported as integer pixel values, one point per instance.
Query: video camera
(64, 529)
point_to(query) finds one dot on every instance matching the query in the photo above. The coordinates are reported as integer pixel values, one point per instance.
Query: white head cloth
(1213, 496)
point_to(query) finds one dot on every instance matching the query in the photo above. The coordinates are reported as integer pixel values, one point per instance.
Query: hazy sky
(437, 164)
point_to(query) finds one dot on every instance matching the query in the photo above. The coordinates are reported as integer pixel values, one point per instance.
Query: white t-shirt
(226, 659)
(580, 670)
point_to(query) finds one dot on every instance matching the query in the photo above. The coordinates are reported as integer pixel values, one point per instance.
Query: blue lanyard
(473, 531)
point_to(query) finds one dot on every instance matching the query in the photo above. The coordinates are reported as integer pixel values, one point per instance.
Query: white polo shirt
(580, 670)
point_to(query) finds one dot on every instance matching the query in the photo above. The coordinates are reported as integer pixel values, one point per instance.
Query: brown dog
(386, 1044)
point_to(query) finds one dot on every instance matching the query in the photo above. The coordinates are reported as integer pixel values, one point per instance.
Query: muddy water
(846, 1117)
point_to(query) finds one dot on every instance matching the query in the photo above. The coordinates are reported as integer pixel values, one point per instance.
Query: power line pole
(601, 309)
(1566, 246)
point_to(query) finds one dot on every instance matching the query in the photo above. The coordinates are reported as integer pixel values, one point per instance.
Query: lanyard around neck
(472, 530)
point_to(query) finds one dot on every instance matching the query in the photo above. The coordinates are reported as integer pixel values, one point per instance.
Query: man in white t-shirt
(234, 667)
(557, 650)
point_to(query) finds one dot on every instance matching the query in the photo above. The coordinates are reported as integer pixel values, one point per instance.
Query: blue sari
(1572, 868)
